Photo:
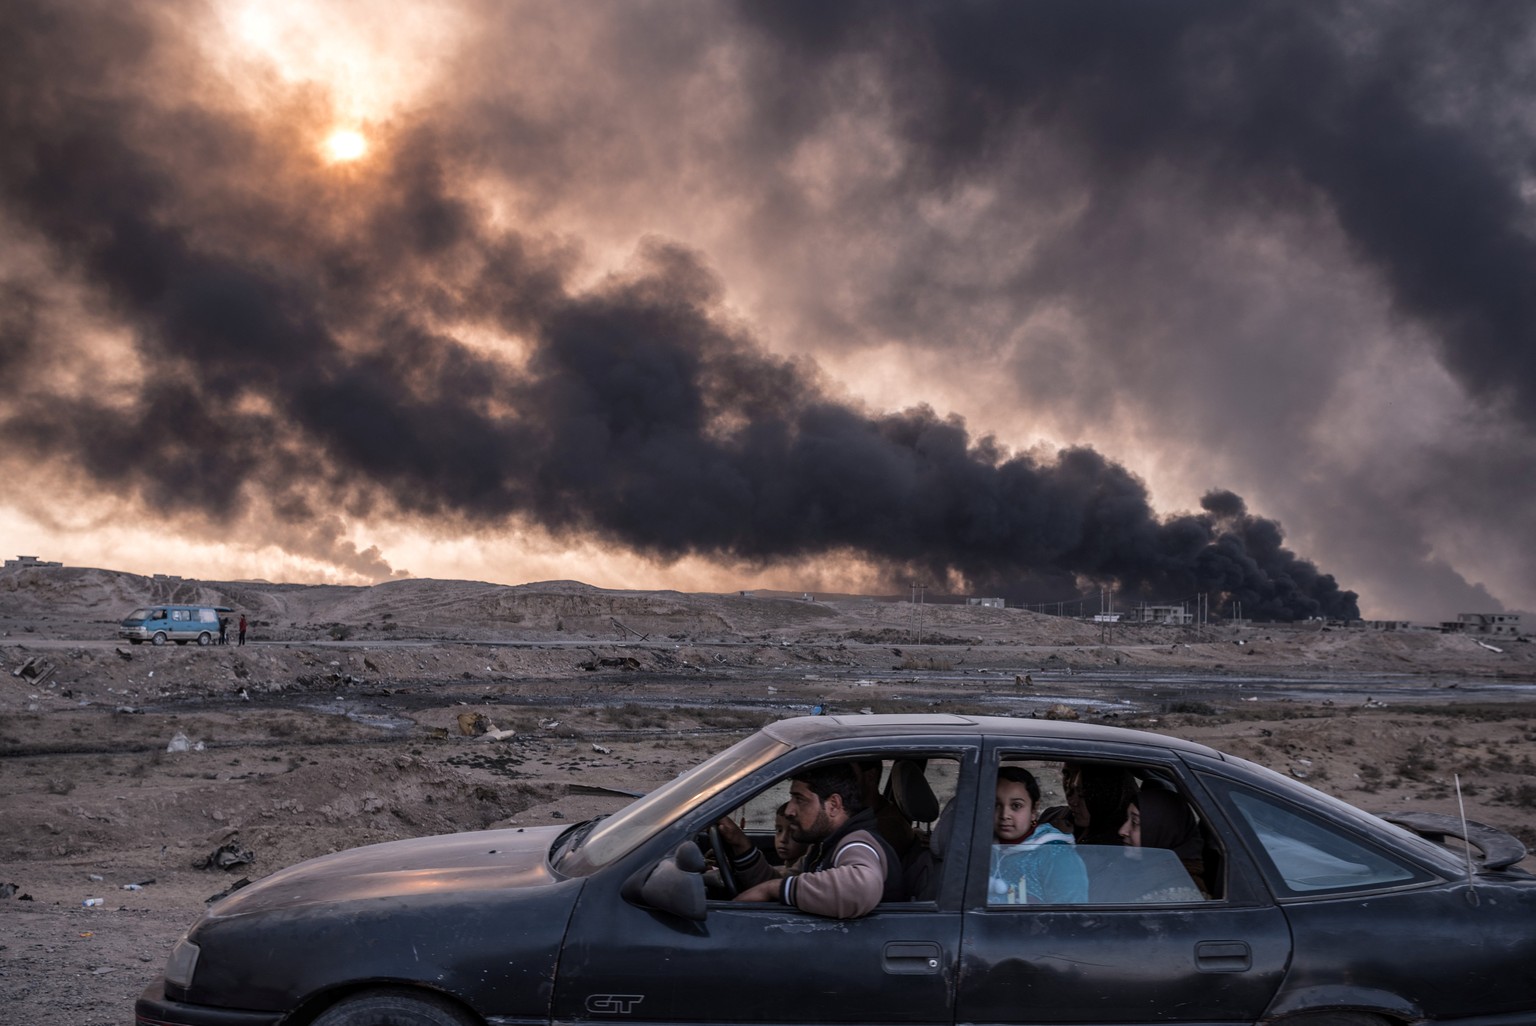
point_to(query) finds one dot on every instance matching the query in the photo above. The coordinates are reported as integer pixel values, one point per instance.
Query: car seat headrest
(911, 792)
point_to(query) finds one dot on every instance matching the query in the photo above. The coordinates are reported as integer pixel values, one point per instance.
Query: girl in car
(1032, 862)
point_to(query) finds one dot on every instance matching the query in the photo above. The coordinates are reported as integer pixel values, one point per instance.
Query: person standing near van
(242, 628)
(223, 630)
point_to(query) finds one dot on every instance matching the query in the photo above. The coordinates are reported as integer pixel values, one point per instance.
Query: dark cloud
(309, 345)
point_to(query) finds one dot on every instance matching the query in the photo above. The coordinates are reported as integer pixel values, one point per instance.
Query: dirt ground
(124, 769)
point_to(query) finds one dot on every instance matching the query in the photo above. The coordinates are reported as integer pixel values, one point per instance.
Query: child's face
(1014, 813)
(788, 848)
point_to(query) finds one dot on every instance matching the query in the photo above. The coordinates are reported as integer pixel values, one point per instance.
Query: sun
(345, 144)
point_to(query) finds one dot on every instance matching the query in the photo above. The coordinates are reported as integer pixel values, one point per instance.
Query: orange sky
(1205, 322)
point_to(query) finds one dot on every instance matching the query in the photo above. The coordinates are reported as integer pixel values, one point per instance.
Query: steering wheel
(722, 861)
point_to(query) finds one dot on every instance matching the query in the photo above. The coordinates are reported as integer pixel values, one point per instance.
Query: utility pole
(919, 594)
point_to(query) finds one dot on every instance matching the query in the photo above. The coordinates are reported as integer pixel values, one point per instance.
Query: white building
(1506, 624)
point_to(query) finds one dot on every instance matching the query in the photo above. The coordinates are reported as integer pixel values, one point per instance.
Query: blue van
(181, 624)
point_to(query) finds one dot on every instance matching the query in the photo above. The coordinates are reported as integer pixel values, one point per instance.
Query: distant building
(1393, 625)
(1505, 624)
(990, 603)
(167, 577)
(1107, 617)
(20, 561)
(1176, 616)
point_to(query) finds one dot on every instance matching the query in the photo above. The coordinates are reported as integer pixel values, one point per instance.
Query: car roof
(804, 730)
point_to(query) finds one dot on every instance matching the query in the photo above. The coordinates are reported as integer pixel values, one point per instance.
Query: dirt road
(123, 770)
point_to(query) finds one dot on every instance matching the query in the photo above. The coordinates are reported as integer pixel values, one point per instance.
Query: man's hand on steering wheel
(733, 837)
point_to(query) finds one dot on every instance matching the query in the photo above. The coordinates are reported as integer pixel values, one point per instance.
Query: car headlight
(182, 964)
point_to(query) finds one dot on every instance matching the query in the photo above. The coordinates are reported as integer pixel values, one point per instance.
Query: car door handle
(1223, 957)
(913, 957)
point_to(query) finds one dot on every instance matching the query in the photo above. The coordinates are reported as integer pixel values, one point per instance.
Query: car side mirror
(675, 885)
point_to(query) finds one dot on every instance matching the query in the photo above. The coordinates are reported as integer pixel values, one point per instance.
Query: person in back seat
(1097, 798)
(1032, 862)
(1158, 818)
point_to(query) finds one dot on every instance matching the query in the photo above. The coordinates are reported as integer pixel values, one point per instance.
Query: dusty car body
(1305, 911)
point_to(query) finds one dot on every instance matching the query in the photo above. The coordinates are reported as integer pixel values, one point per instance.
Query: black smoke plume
(302, 342)
(1371, 109)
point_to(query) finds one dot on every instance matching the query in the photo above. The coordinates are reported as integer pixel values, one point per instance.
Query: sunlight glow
(345, 144)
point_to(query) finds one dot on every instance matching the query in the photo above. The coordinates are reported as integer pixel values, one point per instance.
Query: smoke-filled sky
(1023, 299)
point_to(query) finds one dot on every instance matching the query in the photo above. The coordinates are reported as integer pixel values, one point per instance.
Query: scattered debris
(623, 630)
(93, 902)
(226, 856)
(498, 735)
(600, 750)
(226, 892)
(1059, 711)
(600, 789)
(36, 669)
(125, 655)
(181, 743)
(473, 724)
(616, 662)
(1491, 648)
(6, 890)
(1024, 680)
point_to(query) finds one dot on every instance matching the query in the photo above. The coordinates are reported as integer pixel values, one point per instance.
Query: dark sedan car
(1251, 899)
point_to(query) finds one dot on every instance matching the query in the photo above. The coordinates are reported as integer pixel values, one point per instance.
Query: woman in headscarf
(1097, 799)
(1159, 818)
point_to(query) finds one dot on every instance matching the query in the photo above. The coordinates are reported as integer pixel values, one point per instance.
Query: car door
(1211, 961)
(761, 963)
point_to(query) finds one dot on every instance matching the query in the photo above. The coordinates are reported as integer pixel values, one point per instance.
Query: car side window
(906, 793)
(1305, 856)
(1060, 836)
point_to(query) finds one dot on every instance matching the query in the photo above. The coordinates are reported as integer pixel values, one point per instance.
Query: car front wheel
(395, 1008)
(158, 639)
(1333, 1018)
(205, 638)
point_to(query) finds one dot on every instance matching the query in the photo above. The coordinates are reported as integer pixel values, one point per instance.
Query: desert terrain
(355, 715)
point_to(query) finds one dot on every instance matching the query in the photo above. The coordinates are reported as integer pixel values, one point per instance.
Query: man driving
(849, 868)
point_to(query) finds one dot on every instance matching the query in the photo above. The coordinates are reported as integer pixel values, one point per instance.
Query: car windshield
(137, 614)
(616, 836)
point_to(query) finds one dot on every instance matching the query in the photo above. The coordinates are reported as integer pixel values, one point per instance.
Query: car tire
(135, 641)
(204, 639)
(158, 639)
(395, 1008)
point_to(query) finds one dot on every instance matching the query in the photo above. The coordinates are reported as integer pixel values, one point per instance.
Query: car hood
(482, 860)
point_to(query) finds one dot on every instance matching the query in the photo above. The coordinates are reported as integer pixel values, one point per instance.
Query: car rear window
(1306, 856)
